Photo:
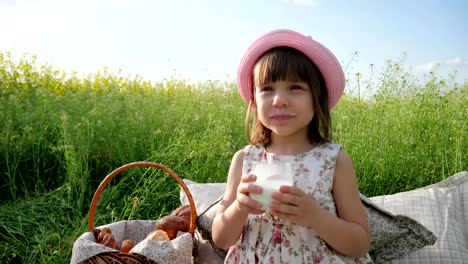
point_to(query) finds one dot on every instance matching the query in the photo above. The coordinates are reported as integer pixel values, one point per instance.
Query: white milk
(270, 176)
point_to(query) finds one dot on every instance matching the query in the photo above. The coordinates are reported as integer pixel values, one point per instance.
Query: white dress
(266, 239)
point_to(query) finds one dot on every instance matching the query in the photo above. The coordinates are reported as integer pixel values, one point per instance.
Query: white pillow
(443, 211)
(205, 195)
(459, 180)
(392, 235)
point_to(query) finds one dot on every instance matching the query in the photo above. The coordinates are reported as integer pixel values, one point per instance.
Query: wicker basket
(124, 258)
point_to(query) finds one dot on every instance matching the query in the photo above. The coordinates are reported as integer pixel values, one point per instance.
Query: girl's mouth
(282, 117)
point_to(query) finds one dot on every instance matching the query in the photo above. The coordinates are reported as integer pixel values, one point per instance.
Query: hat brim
(325, 61)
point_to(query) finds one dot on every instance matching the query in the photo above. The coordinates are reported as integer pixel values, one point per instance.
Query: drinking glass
(270, 176)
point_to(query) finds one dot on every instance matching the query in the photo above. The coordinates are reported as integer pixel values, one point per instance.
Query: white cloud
(456, 62)
(449, 63)
(455, 66)
(313, 3)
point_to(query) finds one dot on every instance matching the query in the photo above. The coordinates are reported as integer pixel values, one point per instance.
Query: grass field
(62, 134)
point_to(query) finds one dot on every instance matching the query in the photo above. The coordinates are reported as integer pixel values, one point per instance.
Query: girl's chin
(287, 130)
(284, 134)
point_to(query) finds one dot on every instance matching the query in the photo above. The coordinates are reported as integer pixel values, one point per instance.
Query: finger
(284, 209)
(249, 188)
(249, 202)
(287, 198)
(248, 178)
(292, 190)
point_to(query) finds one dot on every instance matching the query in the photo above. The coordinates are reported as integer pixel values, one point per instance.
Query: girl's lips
(281, 117)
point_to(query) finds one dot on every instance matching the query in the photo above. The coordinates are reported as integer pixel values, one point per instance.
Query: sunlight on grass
(62, 134)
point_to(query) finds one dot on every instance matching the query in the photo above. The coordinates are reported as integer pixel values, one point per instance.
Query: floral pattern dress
(267, 239)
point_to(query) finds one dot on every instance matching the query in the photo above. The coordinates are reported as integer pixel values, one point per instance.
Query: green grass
(62, 134)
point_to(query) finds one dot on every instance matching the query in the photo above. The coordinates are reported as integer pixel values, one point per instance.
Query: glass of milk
(270, 176)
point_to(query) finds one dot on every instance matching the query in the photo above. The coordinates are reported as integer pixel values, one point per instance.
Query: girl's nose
(280, 100)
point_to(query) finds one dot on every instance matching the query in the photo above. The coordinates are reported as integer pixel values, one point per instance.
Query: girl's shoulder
(253, 150)
(328, 149)
(322, 147)
(325, 149)
(328, 146)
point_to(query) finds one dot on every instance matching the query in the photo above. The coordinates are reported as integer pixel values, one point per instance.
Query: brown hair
(288, 64)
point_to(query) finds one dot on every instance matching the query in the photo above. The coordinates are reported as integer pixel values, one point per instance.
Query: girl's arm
(236, 205)
(349, 232)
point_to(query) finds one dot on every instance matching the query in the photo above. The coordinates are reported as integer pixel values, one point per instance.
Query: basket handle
(100, 189)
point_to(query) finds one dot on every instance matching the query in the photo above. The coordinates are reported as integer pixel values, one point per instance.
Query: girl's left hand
(294, 205)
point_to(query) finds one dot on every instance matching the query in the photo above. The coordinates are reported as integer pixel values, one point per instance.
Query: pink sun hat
(325, 61)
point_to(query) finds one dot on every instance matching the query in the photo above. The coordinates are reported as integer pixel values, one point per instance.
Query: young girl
(290, 83)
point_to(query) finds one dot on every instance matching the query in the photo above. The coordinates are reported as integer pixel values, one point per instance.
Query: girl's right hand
(245, 202)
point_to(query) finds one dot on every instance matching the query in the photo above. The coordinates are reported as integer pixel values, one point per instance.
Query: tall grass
(406, 135)
(62, 134)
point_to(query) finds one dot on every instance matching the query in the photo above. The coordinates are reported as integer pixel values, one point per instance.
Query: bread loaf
(102, 233)
(158, 235)
(185, 212)
(109, 241)
(126, 245)
(172, 224)
(179, 209)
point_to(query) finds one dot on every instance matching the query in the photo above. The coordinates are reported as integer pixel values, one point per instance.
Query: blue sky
(200, 40)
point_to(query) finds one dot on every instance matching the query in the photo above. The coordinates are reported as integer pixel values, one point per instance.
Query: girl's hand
(295, 205)
(246, 186)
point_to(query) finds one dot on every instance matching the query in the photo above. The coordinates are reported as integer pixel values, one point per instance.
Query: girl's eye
(296, 87)
(266, 89)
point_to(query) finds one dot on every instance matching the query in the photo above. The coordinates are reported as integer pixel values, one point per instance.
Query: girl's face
(285, 107)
